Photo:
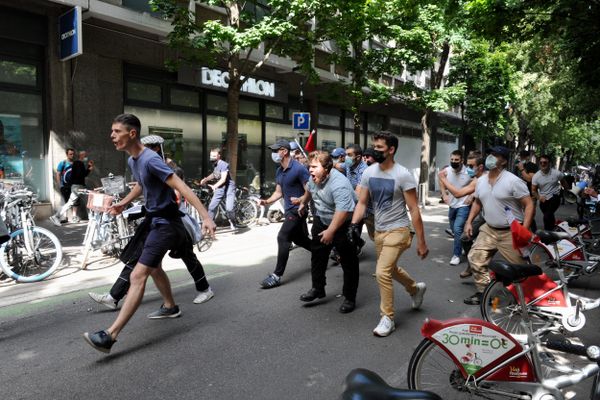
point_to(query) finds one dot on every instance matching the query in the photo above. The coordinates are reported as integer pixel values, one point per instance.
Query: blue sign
(70, 34)
(301, 121)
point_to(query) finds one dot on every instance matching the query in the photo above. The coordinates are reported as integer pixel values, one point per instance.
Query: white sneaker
(385, 327)
(204, 296)
(417, 298)
(455, 260)
(55, 220)
(104, 299)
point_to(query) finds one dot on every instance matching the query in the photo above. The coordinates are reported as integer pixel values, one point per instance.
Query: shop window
(248, 107)
(146, 92)
(329, 120)
(322, 60)
(185, 98)
(216, 103)
(274, 111)
(18, 73)
(375, 123)
(329, 139)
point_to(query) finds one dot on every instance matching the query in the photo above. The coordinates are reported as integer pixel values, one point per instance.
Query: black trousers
(548, 208)
(320, 258)
(193, 265)
(293, 229)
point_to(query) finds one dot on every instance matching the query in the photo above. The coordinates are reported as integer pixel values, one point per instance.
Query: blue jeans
(457, 218)
(228, 192)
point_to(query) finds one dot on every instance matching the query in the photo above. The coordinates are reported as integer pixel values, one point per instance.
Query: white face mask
(276, 158)
(490, 162)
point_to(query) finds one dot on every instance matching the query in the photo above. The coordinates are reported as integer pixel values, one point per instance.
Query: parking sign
(301, 121)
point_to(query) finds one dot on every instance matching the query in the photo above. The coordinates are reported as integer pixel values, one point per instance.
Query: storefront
(22, 119)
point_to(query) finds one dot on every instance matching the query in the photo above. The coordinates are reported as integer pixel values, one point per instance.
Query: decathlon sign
(70, 35)
(217, 78)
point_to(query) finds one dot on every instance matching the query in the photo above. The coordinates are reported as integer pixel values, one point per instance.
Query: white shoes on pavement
(104, 299)
(417, 298)
(204, 296)
(455, 260)
(385, 327)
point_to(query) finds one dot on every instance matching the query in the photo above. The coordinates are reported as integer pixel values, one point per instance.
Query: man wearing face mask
(545, 186)
(496, 192)
(291, 178)
(339, 160)
(475, 169)
(223, 187)
(369, 159)
(456, 175)
(392, 188)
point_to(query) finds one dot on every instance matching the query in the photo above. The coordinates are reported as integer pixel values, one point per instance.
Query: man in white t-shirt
(392, 189)
(495, 193)
(457, 176)
(545, 186)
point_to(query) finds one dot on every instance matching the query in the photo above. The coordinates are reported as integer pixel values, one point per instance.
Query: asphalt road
(246, 343)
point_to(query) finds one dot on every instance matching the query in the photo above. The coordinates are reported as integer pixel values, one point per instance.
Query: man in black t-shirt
(525, 169)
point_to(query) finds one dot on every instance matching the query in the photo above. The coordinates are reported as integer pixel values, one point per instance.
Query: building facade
(48, 105)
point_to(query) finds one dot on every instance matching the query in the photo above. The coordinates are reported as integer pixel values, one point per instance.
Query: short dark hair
(216, 150)
(69, 149)
(130, 121)
(547, 157)
(323, 157)
(356, 147)
(390, 139)
(456, 153)
(477, 156)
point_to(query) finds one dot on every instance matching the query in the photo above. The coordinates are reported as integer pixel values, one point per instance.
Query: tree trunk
(357, 121)
(233, 106)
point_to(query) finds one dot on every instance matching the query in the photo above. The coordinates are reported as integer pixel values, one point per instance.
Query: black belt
(500, 229)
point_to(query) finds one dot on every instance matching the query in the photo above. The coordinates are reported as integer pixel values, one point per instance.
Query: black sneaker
(313, 294)
(101, 340)
(474, 300)
(164, 312)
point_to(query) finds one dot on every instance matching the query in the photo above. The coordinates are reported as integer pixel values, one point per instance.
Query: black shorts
(161, 238)
(65, 191)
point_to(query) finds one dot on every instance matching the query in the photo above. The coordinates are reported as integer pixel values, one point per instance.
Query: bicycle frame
(506, 363)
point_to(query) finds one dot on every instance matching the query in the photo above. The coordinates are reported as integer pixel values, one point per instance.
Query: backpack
(192, 228)
(65, 173)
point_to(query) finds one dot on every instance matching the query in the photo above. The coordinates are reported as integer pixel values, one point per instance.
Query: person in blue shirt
(223, 187)
(162, 229)
(291, 178)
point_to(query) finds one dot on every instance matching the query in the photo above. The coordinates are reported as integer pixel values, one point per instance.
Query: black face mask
(378, 156)
(455, 165)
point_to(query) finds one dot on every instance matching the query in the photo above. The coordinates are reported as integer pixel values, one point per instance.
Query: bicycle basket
(99, 202)
(114, 185)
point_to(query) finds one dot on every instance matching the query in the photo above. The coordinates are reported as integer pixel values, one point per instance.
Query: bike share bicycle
(508, 368)
(105, 232)
(32, 253)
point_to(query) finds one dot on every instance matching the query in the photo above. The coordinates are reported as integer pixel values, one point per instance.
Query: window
(322, 60)
(216, 103)
(16, 73)
(185, 98)
(249, 107)
(146, 92)
(273, 111)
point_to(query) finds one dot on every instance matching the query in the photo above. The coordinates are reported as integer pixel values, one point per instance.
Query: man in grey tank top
(392, 189)
(495, 193)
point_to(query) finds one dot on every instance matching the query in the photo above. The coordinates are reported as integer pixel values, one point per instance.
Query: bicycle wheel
(245, 212)
(432, 369)
(21, 266)
(204, 244)
(500, 307)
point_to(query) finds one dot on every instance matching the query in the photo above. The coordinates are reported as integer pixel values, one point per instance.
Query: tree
(368, 39)
(273, 26)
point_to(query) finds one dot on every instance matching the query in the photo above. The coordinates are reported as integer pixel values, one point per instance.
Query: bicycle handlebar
(564, 345)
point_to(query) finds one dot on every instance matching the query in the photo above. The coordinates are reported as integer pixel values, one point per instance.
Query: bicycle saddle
(362, 384)
(508, 273)
(549, 237)
(575, 222)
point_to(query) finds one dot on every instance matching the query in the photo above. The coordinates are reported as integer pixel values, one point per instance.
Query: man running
(164, 229)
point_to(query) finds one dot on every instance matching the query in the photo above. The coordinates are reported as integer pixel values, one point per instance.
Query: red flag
(310, 143)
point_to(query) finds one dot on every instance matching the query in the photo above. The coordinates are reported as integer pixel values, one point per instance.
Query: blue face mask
(490, 162)
(470, 172)
(349, 162)
(276, 158)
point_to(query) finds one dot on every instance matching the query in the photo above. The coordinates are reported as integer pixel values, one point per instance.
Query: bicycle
(245, 210)
(552, 307)
(105, 232)
(509, 369)
(32, 253)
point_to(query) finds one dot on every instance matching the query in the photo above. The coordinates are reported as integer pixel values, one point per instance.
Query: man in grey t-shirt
(334, 202)
(545, 186)
(392, 190)
(501, 196)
